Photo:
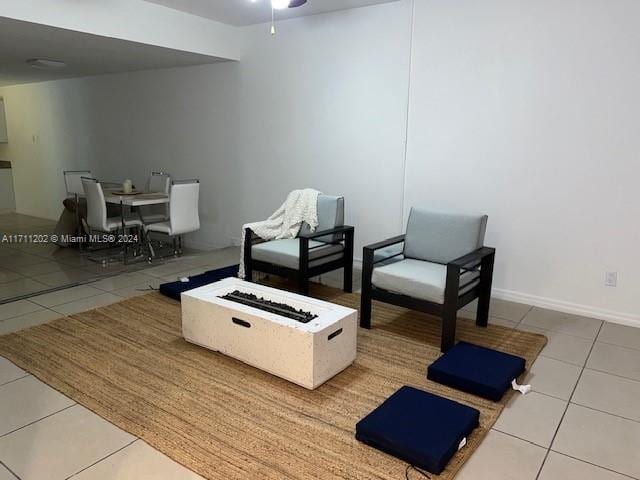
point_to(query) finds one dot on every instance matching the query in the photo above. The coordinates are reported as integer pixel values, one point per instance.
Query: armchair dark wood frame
(456, 295)
(305, 271)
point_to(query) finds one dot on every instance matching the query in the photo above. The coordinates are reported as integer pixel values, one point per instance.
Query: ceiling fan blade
(296, 3)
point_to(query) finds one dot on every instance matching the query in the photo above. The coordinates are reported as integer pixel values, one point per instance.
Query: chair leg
(484, 300)
(448, 329)
(347, 285)
(450, 307)
(365, 296)
(152, 252)
(303, 266)
(348, 258)
(482, 314)
(303, 284)
(365, 306)
(248, 244)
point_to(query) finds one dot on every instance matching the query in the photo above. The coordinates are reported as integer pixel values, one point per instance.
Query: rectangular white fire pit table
(307, 354)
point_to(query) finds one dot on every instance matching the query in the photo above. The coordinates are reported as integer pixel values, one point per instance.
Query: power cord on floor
(150, 289)
(421, 472)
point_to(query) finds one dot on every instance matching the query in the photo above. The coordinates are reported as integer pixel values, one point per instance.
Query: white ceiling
(84, 54)
(248, 12)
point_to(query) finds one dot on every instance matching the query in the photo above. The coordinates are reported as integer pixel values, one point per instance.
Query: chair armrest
(385, 243)
(474, 257)
(331, 231)
(368, 254)
(252, 238)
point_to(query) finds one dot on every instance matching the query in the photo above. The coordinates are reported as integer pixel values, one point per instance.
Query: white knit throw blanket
(300, 206)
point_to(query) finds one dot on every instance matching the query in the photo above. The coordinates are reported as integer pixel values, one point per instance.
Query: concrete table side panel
(306, 354)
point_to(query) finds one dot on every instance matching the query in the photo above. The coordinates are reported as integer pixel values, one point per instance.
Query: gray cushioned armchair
(329, 248)
(442, 266)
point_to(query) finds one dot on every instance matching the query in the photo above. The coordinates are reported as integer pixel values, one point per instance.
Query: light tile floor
(581, 422)
(30, 268)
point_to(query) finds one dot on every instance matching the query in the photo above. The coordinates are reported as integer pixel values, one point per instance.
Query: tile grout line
(582, 365)
(605, 412)
(135, 439)
(612, 374)
(520, 438)
(555, 434)
(517, 438)
(594, 465)
(39, 419)
(9, 470)
(15, 379)
(572, 335)
(621, 346)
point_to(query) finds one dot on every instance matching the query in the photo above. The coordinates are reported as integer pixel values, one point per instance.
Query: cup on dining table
(127, 186)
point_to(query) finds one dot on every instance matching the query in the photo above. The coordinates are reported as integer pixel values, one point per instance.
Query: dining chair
(73, 181)
(158, 182)
(183, 215)
(97, 218)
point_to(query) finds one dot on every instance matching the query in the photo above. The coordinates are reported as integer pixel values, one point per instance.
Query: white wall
(523, 110)
(134, 20)
(250, 130)
(529, 111)
(7, 198)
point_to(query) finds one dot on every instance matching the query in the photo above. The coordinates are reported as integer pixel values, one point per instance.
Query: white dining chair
(183, 214)
(97, 218)
(158, 182)
(73, 181)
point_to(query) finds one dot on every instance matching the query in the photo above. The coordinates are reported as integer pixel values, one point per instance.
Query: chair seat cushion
(418, 427)
(162, 227)
(175, 289)
(155, 218)
(417, 279)
(114, 223)
(286, 253)
(477, 370)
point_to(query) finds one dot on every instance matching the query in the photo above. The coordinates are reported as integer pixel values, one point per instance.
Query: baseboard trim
(206, 246)
(622, 318)
(613, 316)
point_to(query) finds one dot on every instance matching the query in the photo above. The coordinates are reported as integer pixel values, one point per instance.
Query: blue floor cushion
(174, 289)
(477, 370)
(420, 428)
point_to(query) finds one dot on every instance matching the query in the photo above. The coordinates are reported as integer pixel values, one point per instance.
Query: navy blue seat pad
(174, 289)
(420, 428)
(478, 370)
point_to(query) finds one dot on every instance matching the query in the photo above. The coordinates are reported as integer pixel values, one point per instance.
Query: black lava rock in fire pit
(262, 303)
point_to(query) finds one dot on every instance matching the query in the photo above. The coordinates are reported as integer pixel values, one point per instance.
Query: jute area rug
(128, 363)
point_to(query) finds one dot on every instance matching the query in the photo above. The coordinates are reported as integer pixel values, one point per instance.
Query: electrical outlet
(611, 279)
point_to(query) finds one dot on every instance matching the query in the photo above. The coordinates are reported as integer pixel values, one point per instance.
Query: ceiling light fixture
(45, 64)
(282, 5)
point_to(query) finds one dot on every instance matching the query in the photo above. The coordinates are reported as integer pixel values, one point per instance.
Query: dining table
(133, 200)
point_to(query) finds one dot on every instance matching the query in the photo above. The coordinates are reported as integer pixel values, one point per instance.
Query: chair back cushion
(442, 237)
(158, 182)
(73, 181)
(330, 215)
(96, 206)
(183, 207)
